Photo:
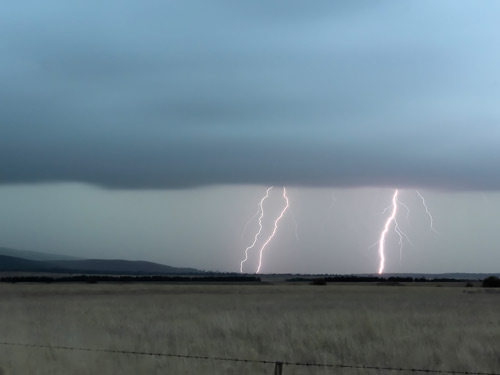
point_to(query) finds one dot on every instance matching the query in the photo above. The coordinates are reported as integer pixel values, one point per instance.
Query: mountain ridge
(34, 255)
(121, 266)
(15, 264)
(12, 260)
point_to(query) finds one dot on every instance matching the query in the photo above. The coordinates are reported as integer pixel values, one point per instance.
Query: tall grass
(422, 327)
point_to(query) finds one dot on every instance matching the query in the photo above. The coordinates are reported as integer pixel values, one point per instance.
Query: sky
(151, 130)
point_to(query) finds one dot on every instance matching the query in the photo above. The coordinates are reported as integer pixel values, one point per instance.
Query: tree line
(92, 279)
(372, 279)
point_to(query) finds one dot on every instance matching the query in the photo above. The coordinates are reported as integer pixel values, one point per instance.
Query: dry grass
(423, 327)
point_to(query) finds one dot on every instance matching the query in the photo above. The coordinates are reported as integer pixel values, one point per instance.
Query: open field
(450, 328)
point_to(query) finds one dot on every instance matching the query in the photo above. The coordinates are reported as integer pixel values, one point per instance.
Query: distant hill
(13, 260)
(33, 255)
(119, 266)
(13, 264)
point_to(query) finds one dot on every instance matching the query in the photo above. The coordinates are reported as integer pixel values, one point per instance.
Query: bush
(491, 282)
(319, 281)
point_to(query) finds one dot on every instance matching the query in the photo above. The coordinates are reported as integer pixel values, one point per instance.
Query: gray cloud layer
(176, 94)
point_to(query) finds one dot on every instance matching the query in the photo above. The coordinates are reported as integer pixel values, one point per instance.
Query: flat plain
(425, 327)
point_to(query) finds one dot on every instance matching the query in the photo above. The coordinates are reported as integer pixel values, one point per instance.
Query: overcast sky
(151, 130)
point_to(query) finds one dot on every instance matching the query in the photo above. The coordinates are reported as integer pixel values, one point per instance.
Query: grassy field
(450, 328)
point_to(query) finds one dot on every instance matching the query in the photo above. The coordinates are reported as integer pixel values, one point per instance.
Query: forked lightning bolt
(261, 210)
(381, 243)
(249, 221)
(427, 212)
(402, 235)
(274, 230)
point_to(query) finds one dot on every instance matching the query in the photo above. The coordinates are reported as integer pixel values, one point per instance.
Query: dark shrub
(491, 282)
(319, 281)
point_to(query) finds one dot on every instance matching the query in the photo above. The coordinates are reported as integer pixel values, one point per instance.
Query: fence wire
(260, 361)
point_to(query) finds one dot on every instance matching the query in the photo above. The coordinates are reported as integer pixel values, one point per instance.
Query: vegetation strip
(92, 279)
(302, 364)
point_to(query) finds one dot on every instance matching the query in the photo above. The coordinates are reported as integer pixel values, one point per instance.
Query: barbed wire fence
(278, 365)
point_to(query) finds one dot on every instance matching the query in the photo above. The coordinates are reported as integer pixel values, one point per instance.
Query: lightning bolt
(427, 212)
(402, 235)
(381, 243)
(406, 208)
(274, 230)
(385, 210)
(398, 229)
(249, 221)
(261, 210)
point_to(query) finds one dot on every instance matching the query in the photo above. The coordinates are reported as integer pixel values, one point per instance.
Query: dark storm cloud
(178, 94)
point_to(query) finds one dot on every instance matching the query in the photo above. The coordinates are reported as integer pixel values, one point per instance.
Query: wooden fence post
(278, 368)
